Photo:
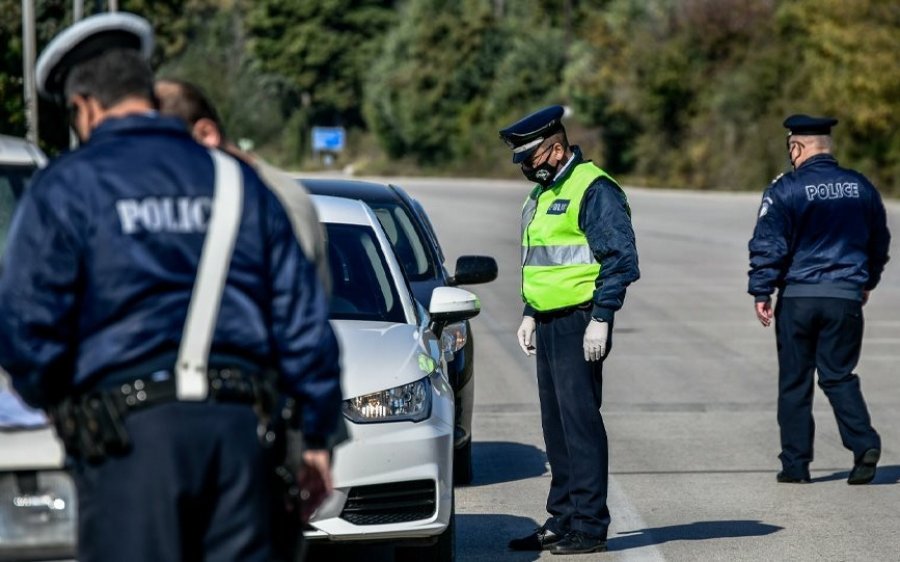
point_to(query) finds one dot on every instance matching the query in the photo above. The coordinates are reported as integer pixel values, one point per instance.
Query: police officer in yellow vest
(578, 257)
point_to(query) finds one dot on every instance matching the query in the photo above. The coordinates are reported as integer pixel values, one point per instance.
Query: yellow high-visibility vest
(558, 268)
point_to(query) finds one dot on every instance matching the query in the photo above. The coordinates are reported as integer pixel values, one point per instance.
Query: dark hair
(190, 104)
(559, 137)
(111, 77)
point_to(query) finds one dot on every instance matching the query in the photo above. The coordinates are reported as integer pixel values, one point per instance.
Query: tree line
(683, 93)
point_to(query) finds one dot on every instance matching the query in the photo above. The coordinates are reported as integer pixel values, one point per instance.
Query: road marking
(627, 520)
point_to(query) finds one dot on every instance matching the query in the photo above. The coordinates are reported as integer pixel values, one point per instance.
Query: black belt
(226, 384)
(560, 312)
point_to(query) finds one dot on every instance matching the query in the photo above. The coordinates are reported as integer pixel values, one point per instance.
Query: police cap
(806, 125)
(85, 40)
(526, 134)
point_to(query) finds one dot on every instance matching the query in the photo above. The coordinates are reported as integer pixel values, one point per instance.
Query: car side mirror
(449, 304)
(471, 270)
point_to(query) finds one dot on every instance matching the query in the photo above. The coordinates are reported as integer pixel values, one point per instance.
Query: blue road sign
(328, 139)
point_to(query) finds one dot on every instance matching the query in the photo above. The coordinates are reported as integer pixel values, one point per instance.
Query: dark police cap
(526, 134)
(85, 40)
(806, 125)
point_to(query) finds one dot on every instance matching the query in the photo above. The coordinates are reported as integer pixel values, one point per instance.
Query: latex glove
(595, 337)
(764, 312)
(526, 335)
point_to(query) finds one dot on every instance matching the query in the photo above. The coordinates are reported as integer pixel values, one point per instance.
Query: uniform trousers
(570, 391)
(824, 335)
(194, 487)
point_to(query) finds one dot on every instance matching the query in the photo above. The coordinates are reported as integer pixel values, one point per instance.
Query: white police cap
(87, 39)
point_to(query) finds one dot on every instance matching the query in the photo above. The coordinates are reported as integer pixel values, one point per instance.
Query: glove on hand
(526, 335)
(595, 337)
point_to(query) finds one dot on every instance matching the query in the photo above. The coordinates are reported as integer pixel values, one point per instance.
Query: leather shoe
(864, 470)
(785, 478)
(576, 542)
(541, 539)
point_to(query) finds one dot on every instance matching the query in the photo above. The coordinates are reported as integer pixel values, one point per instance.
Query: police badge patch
(558, 207)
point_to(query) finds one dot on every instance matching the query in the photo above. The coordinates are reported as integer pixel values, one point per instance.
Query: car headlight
(407, 402)
(453, 338)
(37, 515)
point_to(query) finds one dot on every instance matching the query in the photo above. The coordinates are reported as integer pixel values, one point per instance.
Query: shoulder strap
(191, 381)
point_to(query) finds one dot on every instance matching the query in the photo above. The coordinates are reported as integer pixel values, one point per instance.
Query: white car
(393, 478)
(37, 498)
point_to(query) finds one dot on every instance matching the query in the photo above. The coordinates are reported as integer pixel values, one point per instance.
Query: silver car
(394, 477)
(37, 498)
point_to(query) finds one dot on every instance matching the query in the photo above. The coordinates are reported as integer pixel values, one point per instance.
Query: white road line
(626, 519)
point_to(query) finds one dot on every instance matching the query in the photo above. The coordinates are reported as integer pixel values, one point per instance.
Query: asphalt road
(689, 399)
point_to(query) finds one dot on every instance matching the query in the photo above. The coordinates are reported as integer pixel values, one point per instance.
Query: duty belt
(91, 425)
(230, 384)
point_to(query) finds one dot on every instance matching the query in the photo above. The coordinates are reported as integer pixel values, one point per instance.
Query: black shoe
(864, 470)
(784, 478)
(576, 542)
(541, 539)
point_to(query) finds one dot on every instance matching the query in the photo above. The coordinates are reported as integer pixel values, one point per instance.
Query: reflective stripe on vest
(558, 267)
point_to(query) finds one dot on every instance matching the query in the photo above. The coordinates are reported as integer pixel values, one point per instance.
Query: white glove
(595, 340)
(526, 335)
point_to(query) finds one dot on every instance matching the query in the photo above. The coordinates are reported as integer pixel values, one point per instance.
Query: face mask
(542, 175)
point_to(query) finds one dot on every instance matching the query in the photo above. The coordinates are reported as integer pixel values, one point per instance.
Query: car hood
(378, 355)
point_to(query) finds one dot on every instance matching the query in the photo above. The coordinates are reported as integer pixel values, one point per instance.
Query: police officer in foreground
(822, 240)
(578, 258)
(97, 279)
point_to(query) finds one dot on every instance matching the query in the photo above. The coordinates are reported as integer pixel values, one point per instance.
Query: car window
(426, 223)
(12, 183)
(363, 287)
(405, 238)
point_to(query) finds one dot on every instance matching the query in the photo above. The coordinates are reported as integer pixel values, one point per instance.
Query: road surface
(689, 397)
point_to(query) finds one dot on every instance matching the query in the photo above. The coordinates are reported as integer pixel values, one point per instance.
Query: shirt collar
(824, 157)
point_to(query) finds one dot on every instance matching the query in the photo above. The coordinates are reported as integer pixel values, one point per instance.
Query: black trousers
(574, 435)
(824, 335)
(193, 488)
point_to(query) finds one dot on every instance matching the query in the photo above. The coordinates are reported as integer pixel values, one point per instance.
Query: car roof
(342, 210)
(354, 189)
(19, 152)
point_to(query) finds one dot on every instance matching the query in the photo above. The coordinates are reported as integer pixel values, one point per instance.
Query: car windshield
(12, 183)
(405, 239)
(362, 285)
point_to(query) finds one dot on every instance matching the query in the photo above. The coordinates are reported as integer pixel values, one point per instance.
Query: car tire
(444, 550)
(462, 465)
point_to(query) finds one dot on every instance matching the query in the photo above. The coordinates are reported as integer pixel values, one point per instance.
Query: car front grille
(398, 502)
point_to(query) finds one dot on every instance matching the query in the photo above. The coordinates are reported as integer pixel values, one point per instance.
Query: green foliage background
(685, 93)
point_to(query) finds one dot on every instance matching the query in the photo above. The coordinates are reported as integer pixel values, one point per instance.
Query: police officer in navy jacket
(578, 258)
(822, 241)
(98, 273)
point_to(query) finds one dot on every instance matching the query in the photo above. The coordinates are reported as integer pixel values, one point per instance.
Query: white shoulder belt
(191, 382)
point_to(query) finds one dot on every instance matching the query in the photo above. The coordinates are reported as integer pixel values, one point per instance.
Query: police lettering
(164, 214)
(832, 190)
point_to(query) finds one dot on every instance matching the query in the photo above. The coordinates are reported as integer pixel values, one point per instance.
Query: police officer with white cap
(148, 287)
(822, 241)
(578, 258)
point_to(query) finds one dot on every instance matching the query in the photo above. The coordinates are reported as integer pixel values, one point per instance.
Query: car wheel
(444, 550)
(462, 465)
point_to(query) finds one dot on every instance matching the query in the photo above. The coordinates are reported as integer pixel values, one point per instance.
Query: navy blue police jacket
(100, 264)
(605, 218)
(821, 232)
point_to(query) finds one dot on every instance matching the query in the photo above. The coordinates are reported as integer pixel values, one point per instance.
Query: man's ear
(207, 133)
